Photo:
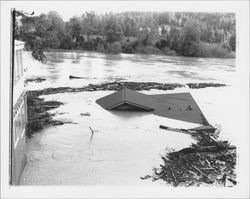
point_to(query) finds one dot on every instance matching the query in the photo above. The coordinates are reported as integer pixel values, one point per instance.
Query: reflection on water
(98, 67)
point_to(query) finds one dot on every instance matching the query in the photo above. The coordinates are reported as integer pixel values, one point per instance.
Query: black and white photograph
(125, 99)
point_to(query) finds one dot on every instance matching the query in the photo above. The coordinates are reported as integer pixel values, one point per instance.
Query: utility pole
(12, 38)
(13, 28)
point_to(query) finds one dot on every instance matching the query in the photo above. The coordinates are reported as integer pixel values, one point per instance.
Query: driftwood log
(76, 77)
(207, 149)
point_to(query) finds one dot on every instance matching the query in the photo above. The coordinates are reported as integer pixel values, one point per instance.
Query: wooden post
(92, 133)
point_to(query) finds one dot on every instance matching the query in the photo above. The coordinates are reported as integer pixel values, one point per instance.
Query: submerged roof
(126, 97)
(179, 106)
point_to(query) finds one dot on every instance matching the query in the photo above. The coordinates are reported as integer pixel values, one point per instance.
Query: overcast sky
(68, 9)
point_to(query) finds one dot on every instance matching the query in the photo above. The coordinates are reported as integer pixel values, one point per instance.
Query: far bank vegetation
(168, 33)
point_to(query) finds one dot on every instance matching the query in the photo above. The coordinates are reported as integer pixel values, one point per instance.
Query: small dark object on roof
(178, 106)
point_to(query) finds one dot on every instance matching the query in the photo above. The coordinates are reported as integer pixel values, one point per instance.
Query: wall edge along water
(18, 109)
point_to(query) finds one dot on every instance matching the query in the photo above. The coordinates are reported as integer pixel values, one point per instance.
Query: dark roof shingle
(179, 106)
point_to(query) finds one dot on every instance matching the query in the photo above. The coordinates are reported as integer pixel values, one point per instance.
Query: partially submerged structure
(178, 106)
(127, 99)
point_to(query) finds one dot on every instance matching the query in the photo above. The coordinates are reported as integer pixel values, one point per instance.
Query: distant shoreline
(81, 51)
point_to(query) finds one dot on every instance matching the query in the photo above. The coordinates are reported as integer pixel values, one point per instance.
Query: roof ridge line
(123, 94)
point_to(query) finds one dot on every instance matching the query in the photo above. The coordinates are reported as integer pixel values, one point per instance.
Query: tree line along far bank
(169, 33)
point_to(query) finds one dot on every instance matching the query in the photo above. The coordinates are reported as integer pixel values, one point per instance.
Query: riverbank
(210, 51)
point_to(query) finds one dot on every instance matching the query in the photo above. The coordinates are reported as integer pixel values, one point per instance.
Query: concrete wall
(18, 71)
(18, 134)
(18, 160)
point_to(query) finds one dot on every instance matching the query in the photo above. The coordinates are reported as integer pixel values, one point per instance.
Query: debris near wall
(209, 161)
(204, 85)
(38, 115)
(34, 79)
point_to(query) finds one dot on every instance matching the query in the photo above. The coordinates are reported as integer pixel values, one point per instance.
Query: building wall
(18, 77)
(18, 149)
(19, 138)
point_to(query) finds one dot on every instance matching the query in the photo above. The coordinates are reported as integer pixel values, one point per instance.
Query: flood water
(97, 67)
(125, 145)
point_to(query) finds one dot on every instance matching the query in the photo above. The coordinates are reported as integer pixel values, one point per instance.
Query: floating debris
(85, 114)
(208, 161)
(38, 115)
(77, 77)
(146, 177)
(116, 86)
(204, 85)
(35, 79)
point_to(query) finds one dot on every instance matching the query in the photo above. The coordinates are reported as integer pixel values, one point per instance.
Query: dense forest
(169, 33)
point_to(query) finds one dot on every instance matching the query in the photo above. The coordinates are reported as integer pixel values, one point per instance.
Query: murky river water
(125, 145)
(97, 67)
